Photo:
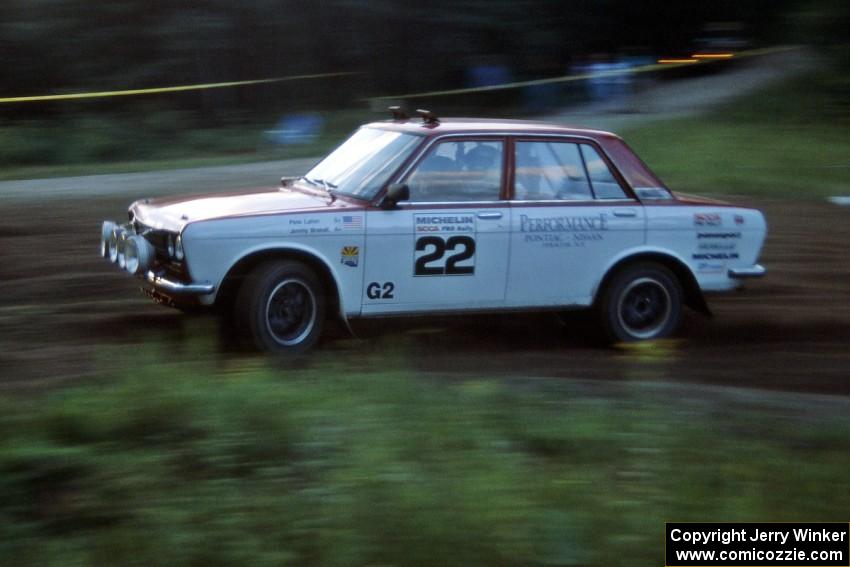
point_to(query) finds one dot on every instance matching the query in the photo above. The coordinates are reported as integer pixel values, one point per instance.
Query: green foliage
(158, 139)
(789, 140)
(181, 463)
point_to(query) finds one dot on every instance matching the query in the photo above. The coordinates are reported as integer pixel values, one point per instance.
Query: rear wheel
(281, 307)
(641, 302)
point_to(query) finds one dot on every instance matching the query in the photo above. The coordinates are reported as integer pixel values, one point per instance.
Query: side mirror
(396, 193)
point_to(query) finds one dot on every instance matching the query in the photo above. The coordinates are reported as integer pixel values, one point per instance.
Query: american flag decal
(352, 221)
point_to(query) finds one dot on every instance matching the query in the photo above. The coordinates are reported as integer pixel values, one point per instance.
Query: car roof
(486, 125)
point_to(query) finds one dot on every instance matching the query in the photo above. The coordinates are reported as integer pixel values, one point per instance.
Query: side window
(550, 170)
(466, 170)
(604, 184)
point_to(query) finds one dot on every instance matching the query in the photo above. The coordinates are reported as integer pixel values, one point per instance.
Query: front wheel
(642, 302)
(281, 306)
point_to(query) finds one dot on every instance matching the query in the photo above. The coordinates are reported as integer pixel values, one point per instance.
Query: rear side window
(605, 186)
(549, 171)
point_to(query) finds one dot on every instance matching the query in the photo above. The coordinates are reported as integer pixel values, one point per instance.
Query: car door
(447, 247)
(570, 217)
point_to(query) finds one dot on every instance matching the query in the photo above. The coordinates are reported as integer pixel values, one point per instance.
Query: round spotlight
(105, 232)
(138, 254)
(113, 244)
(122, 240)
(131, 256)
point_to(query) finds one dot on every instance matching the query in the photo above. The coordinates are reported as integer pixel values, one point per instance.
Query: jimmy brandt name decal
(307, 226)
(563, 232)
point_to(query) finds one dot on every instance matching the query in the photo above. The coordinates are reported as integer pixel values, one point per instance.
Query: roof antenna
(398, 113)
(428, 117)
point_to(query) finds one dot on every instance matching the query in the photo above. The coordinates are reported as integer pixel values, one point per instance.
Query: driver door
(445, 249)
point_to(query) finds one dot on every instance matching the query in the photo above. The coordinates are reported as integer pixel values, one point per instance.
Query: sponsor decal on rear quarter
(707, 219)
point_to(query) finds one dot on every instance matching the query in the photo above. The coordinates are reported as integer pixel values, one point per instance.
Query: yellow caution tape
(178, 88)
(504, 86)
(582, 76)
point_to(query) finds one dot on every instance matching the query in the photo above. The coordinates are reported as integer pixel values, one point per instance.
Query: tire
(281, 307)
(642, 302)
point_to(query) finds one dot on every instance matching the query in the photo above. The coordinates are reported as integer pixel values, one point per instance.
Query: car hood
(174, 213)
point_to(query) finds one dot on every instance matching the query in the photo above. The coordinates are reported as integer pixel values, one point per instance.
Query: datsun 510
(428, 216)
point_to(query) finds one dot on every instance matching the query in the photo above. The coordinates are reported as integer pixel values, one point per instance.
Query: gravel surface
(64, 312)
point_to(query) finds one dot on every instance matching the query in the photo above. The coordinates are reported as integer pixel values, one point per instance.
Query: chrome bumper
(756, 271)
(178, 288)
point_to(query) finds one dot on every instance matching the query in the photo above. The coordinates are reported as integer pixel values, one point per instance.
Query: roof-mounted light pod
(428, 117)
(398, 113)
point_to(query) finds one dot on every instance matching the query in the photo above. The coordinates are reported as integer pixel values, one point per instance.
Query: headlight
(105, 234)
(138, 254)
(170, 246)
(121, 242)
(178, 248)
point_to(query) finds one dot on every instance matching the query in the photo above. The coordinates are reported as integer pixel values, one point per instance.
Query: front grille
(159, 239)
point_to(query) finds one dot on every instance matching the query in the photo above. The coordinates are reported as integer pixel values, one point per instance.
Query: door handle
(490, 215)
(625, 213)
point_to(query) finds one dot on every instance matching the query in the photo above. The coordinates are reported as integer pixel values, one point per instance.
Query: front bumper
(172, 287)
(132, 251)
(756, 271)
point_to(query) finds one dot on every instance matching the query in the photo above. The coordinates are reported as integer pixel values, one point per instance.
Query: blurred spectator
(301, 128)
(487, 74)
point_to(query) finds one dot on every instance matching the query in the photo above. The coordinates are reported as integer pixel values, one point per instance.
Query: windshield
(364, 162)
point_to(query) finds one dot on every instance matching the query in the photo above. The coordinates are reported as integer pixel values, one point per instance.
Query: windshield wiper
(326, 185)
(310, 181)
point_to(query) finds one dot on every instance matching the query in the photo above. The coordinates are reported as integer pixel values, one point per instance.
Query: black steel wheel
(642, 302)
(281, 307)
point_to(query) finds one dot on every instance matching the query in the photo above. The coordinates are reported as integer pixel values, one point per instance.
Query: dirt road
(655, 97)
(63, 312)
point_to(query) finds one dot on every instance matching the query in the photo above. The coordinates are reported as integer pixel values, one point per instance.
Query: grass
(110, 144)
(789, 140)
(184, 463)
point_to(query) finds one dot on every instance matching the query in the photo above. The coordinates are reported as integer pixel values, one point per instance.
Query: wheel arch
(690, 287)
(242, 267)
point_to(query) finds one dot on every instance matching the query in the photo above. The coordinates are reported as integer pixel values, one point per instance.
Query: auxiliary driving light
(114, 245)
(138, 254)
(105, 233)
(122, 241)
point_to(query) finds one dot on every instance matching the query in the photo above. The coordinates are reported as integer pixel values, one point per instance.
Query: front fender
(213, 252)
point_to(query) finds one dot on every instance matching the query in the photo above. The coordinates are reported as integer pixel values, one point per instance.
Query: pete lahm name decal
(563, 232)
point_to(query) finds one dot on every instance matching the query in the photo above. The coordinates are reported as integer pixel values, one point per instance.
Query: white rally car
(428, 216)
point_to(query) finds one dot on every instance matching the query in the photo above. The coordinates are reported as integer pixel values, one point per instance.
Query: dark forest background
(66, 46)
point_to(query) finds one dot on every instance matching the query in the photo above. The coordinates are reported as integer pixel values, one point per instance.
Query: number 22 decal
(461, 247)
